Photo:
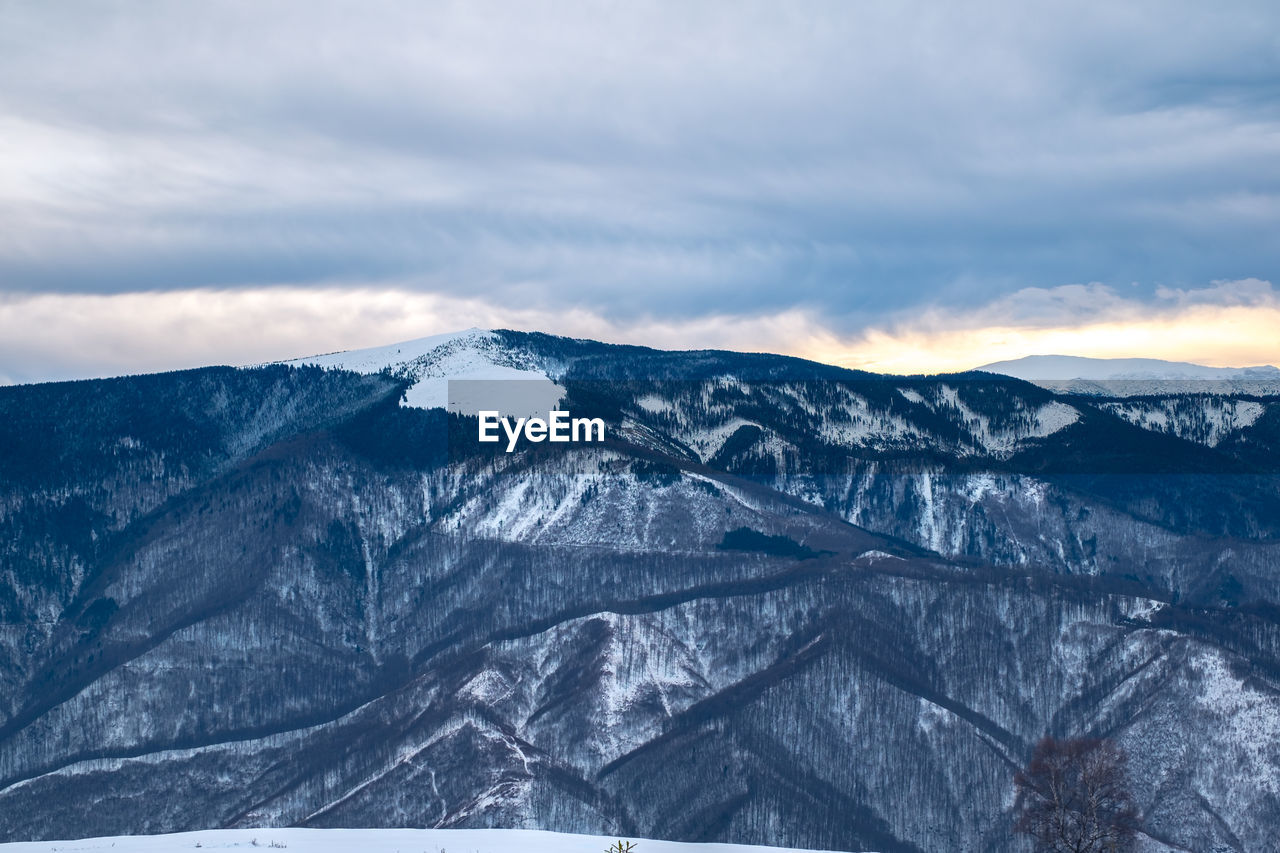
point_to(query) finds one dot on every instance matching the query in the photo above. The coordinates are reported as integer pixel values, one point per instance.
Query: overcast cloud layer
(617, 169)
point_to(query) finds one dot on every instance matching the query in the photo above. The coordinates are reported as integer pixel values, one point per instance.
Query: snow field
(372, 841)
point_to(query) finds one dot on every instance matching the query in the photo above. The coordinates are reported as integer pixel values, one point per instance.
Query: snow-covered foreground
(372, 841)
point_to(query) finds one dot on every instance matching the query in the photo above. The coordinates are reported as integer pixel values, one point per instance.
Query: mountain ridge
(1064, 367)
(280, 596)
(1138, 377)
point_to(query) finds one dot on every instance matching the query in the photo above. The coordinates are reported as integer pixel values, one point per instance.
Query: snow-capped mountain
(1062, 367)
(1136, 376)
(429, 364)
(785, 603)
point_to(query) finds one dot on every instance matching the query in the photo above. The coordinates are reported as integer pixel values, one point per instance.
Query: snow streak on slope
(1005, 437)
(722, 419)
(371, 841)
(431, 362)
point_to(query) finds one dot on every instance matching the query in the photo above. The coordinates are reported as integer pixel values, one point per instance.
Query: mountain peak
(430, 362)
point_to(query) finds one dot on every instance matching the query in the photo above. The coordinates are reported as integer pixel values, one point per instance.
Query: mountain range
(784, 603)
(1127, 377)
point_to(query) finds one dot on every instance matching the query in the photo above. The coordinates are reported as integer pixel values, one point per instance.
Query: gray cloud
(663, 159)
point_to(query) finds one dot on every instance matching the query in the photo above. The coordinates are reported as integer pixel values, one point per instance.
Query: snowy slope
(1203, 419)
(372, 841)
(433, 362)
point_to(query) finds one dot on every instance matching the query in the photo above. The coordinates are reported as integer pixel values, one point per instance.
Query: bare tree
(1073, 798)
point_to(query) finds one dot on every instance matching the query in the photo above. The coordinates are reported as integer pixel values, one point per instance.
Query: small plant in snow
(621, 846)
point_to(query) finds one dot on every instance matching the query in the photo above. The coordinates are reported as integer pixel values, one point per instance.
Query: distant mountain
(785, 603)
(1137, 376)
(1078, 367)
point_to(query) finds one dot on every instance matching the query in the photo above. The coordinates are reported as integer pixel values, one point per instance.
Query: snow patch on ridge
(1032, 423)
(1206, 420)
(431, 362)
(654, 404)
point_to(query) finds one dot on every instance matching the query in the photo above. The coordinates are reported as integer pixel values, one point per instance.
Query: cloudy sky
(897, 186)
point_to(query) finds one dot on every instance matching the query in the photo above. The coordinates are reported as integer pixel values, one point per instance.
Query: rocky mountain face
(783, 603)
